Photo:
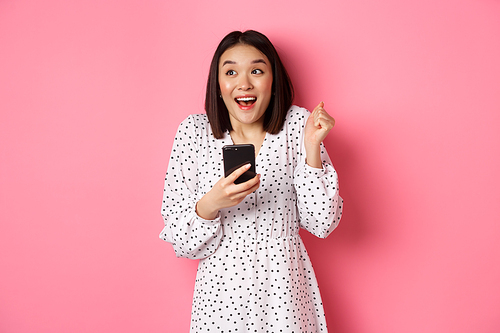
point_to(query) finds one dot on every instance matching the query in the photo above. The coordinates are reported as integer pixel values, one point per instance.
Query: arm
(226, 193)
(315, 179)
(191, 236)
(192, 220)
(318, 199)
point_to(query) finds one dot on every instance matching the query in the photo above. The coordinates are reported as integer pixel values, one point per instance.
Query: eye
(231, 72)
(257, 71)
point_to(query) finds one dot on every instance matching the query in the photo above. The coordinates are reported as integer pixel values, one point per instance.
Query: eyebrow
(256, 61)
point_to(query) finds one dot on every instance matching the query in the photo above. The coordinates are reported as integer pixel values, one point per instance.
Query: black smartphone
(236, 156)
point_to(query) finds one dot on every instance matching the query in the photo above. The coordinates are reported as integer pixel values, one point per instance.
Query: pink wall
(91, 93)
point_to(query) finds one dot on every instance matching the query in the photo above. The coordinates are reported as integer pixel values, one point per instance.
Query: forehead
(242, 54)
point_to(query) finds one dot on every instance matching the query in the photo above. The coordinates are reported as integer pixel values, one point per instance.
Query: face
(245, 80)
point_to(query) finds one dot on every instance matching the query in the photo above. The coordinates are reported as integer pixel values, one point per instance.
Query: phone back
(236, 156)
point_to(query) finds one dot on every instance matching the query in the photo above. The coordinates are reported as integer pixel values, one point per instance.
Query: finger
(238, 172)
(323, 115)
(319, 106)
(326, 125)
(317, 112)
(317, 122)
(246, 186)
(254, 188)
(319, 117)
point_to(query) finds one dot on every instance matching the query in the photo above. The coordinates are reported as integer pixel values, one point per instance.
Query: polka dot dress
(254, 274)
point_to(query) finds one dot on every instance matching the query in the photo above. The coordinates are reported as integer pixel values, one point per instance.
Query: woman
(254, 274)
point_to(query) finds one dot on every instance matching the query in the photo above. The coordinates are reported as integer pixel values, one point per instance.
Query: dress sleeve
(318, 199)
(191, 236)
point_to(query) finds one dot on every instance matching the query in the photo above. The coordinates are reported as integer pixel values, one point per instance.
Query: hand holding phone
(230, 192)
(236, 156)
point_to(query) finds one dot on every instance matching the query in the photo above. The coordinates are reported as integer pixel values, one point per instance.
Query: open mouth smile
(246, 101)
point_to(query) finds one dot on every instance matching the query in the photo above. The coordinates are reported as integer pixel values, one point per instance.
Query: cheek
(267, 84)
(225, 87)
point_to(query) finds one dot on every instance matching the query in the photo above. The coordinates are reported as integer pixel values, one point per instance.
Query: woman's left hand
(318, 125)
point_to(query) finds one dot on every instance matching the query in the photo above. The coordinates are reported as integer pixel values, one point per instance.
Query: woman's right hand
(226, 193)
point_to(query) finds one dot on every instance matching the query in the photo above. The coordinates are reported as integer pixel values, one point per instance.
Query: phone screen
(236, 156)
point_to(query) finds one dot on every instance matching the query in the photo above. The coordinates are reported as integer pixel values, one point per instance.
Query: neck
(251, 134)
(247, 132)
(247, 136)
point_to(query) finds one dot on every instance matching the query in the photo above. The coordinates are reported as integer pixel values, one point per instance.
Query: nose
(244, 83)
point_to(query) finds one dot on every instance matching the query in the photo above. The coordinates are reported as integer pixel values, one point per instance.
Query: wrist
(313, 156)
(205, 210)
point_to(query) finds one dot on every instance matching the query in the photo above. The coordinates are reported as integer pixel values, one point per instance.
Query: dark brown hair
(282, 89)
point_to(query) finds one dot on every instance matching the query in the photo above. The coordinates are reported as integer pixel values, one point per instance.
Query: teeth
(246, 99)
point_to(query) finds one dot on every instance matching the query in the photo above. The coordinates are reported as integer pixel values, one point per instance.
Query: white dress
(254, 274)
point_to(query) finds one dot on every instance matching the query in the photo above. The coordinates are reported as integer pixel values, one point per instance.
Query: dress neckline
(229, 141)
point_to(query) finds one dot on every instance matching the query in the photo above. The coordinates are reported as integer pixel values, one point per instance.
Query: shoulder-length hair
(282, 89)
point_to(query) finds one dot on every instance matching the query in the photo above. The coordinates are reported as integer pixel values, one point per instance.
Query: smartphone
(236, 156)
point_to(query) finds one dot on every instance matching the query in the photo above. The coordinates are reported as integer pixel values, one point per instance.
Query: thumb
(320, 105)
(238, 172)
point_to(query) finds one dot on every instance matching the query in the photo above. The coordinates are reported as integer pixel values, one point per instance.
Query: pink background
(91, 93)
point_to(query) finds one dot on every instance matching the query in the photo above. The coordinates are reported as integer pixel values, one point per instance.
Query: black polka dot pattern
(254, 273)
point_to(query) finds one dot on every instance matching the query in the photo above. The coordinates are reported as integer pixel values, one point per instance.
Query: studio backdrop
(92, 92)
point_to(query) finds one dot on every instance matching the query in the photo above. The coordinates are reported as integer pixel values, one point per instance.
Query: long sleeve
(190, 235)
(318, 199)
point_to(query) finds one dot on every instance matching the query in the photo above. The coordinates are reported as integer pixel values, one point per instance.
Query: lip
(244, 107)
